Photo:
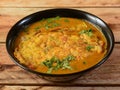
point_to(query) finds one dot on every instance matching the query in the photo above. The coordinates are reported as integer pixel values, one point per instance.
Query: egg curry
(60, 45)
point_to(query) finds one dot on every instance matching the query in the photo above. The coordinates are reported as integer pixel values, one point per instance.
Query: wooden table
(106, 77)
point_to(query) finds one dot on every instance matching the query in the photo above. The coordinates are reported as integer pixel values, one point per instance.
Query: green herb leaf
(37, 28)
(54, 59)
(55, 24)
(57, 17)
(87, 32)
(47, 27)
(48, 63)
(66, 65)
(84, 62)
(55, 63)
(58, 66)
(51, 23)
(66, 20)
(70, 57)
(50, 70)
(90, 32)
(49, 20)
(89, 47)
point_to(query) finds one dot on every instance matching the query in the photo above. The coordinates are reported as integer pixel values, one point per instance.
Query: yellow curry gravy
(60, 45)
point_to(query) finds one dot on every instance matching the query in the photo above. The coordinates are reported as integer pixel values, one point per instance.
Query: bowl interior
(23, 23)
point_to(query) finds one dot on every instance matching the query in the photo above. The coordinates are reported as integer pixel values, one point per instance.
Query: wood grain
(60, 3)
(55, 88)
(10, 16)
(106, 74)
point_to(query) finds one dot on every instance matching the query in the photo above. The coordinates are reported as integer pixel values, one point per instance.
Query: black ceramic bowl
(20, 25)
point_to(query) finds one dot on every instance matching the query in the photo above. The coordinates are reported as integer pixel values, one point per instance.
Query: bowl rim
(59, 75)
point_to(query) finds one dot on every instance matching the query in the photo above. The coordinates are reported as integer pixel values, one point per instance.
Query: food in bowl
(60, 45)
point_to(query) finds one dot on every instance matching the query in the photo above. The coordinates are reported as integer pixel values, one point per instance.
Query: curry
(60, 45)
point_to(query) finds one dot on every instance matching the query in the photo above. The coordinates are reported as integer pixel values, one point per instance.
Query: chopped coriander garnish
(48, 63)
(47, 27)
(66, 65)
(55, 63)
(37, 28)
(50, 23)
(84, 62)
(89, 47)
(87, 32)
(49, 20)
(66, 61)
(55, 24)
(49, 70)
(66, 20)
(57, 17)
(70, 57)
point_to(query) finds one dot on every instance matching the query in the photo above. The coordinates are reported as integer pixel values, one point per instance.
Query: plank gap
(62, 7)
(64, 84)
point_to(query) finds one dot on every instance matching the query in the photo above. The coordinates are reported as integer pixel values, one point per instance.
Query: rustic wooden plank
(5, 87)
(10, 16)
(59, 3)
(55, 88)
(4, 57)
(106, 74)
